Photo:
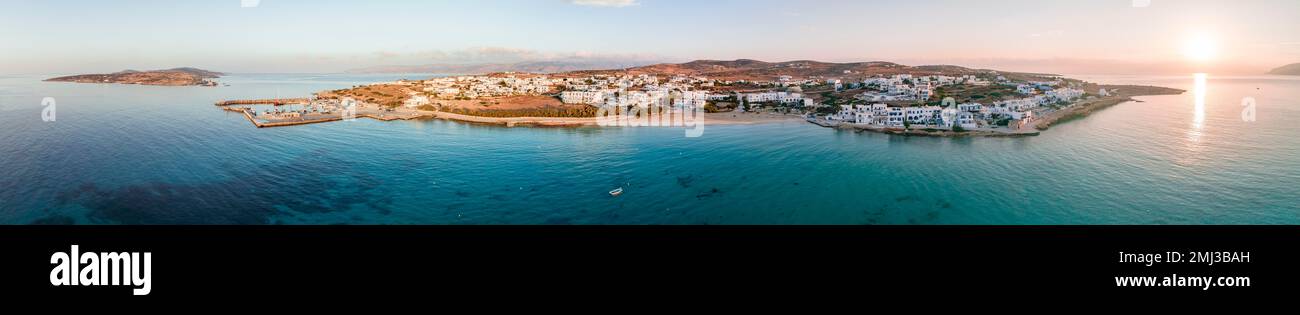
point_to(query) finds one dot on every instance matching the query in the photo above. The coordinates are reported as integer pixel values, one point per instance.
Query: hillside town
(1035, 99)
(896, 101)
(596, 90)
(872, 96)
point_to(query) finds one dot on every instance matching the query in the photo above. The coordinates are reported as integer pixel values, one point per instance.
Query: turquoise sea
(121, 154)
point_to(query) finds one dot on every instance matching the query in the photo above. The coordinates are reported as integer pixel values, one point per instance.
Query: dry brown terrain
(380, 94)
(390, 95)
(503, 103)
(754, 70)
(394, 95)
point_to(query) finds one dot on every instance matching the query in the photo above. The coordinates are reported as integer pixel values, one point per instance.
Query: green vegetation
(832, 100)
(719, 107)
(826, 110)
(711, 108)
(969, 93)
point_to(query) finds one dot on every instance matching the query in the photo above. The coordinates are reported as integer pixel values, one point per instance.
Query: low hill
(198, 72)
(555, 66)
(755, 70)
(169, 77)
(1291, 69)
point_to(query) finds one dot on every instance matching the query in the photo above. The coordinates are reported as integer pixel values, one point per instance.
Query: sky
(322, 36)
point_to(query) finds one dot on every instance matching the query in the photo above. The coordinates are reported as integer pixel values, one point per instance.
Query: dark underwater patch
(708, 193)
(685, 181)
(309, 185)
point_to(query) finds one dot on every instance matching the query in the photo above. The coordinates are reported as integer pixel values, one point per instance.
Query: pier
(317, 118)
(271, 101)
(288, 122)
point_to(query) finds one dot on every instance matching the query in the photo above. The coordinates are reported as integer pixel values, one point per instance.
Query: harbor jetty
(299, 120)
(271, 101)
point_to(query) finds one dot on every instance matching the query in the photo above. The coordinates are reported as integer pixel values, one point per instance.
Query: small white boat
(616, 192)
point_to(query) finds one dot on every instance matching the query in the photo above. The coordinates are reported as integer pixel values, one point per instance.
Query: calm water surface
(121, 154)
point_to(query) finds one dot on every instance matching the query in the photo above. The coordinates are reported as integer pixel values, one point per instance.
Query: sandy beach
(709, 119)
(747, 118)
(515, 121)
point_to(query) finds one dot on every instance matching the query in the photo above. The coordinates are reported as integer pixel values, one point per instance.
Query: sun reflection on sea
(1193, 147)
(1198, 113)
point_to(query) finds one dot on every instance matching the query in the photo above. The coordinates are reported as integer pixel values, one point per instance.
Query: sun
(1200, 47)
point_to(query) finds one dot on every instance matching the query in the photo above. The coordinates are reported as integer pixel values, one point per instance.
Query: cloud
(606, 3)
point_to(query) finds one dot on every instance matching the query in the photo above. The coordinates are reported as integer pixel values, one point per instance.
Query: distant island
(168, 77)
(932, 100)
(1291, 69)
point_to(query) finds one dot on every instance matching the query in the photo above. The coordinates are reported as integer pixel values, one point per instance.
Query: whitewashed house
(582, 97)
(894, 117)
(967, 120)
(1025, 89)
(416, 100)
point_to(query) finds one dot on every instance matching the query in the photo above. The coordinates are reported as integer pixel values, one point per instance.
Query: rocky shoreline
(1119, 94)
(928, 132)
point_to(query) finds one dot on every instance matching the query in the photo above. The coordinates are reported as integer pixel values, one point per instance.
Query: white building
(967, 120)
(780, 97)
(857, 114)
(894, 117)
(582, 97)
(416, 101)
(1064, 94)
